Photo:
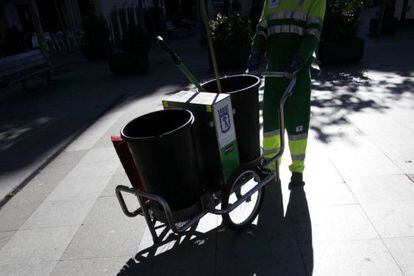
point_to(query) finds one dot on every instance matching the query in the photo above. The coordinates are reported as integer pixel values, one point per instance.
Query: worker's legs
(274, 88)
(297, 117)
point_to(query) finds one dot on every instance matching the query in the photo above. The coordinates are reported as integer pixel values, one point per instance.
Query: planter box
(231, 58)
(128, 64)
(335, 52)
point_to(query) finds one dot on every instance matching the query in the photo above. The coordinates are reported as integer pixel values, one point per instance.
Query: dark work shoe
(296, 180)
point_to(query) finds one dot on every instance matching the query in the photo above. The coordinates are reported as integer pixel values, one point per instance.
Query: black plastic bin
(244, 93)
(162, 147)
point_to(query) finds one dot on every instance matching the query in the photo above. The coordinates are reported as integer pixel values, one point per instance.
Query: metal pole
(210, 44)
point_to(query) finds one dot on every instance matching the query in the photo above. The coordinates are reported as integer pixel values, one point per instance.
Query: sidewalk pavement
(355, 215)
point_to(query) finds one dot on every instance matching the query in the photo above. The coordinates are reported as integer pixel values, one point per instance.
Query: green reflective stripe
(271, 152)
(314, 20)
(271, 145)
(271, 133)
(298, 137)
(314, 32)
(298, 157)
(298, 146)
(285, 29)
(298, 15)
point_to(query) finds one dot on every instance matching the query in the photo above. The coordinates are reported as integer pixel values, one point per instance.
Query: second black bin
(244, 92)
(162, 147)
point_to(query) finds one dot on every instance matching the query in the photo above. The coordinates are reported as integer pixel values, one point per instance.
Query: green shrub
(342, 19)
(232, 31)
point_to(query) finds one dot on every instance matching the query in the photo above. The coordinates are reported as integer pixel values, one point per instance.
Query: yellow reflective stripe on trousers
(298, 147)
(271, 143)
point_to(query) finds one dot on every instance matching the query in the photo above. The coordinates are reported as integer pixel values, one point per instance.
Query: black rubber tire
(228, 191)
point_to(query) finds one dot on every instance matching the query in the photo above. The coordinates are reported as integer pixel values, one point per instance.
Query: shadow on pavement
(276, 245)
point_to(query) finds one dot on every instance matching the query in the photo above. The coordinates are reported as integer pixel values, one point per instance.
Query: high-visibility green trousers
(297, 117)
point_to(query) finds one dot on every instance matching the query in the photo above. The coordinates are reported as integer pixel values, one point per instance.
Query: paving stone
(34, 192)
(367, 257)
(96, 266)
(380, 189)
(107, 211)
(76, 187)
(328, 194)
(100, 241)
(284, 259)
(99, 167)
(402, 154)
(5, 237)
(402, 251)
(66, 158)
(54, 175)
(88, 139)
(12, 216)
(333, 223)
(36, 245)
(59, 213)
(116, 179)
(355, 155)
(106, 232)
(363, 159)
(22, 269)
(183, 255)
(392, 219)
(381, 128)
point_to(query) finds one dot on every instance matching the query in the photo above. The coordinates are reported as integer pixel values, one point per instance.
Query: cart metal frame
(211, 200)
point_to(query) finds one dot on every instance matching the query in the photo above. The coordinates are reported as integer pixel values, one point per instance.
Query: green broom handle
(180, 64)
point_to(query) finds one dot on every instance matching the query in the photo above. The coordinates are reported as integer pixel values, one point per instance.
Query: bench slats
(21, 68)
(14, 58)
(22, 63)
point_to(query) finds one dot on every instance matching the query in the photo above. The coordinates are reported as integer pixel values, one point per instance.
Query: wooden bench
(20, 67)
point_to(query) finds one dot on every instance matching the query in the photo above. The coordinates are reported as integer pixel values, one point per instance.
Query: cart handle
(288, 92)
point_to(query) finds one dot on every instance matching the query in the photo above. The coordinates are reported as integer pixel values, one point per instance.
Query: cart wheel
(238, 185)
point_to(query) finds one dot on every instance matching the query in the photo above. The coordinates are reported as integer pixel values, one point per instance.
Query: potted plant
(340, 43)
(130, 55)
(232, 37)
(95, 38)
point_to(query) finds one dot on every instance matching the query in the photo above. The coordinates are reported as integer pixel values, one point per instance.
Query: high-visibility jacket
(289, 29)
